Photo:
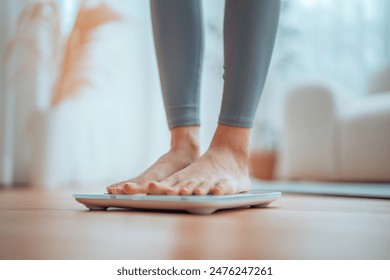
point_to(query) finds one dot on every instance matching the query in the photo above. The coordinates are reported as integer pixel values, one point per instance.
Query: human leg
(249, 35)
(178, 34)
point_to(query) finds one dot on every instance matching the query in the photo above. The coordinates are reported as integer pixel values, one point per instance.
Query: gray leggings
(249, 36)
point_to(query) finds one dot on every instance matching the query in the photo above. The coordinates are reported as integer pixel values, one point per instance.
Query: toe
(112, 188)
(134, 188)
(175, 189)
(153, 188)
(163, 187)
(202, 189)
(188, 187)
(129, 188)
(223, 187)
(109, 189)
(157, 188)
(118, 190)
(217, 190)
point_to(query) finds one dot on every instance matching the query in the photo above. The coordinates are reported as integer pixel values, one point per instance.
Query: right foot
(184, 151)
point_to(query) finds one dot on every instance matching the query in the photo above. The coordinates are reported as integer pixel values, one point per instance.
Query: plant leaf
(73, 73)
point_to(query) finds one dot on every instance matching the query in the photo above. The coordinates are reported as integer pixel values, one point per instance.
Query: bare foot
(184, 151)
(223, 169)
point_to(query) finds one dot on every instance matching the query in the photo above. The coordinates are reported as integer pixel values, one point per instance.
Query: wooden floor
(42, 224)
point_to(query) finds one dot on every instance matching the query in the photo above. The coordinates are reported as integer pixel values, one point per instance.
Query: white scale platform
(203, 204)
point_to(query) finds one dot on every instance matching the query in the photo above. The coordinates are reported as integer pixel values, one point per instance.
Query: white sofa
(329, 136)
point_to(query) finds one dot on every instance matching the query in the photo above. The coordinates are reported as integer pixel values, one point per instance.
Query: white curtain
(102, 132)
(114, 125)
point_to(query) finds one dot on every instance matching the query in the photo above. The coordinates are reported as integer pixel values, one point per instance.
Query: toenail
(217, 190)
(198, 191)
(186, 191)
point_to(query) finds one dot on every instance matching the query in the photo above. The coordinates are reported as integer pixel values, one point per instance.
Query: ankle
(234, 140)
(185, 139)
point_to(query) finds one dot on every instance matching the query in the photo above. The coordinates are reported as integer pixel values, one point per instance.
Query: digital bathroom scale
(194, 204)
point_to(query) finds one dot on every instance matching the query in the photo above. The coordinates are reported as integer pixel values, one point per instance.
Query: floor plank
(44, 224)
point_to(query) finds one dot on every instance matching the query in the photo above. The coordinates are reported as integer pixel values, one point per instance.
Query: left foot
(223, 169)
(184, 150)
